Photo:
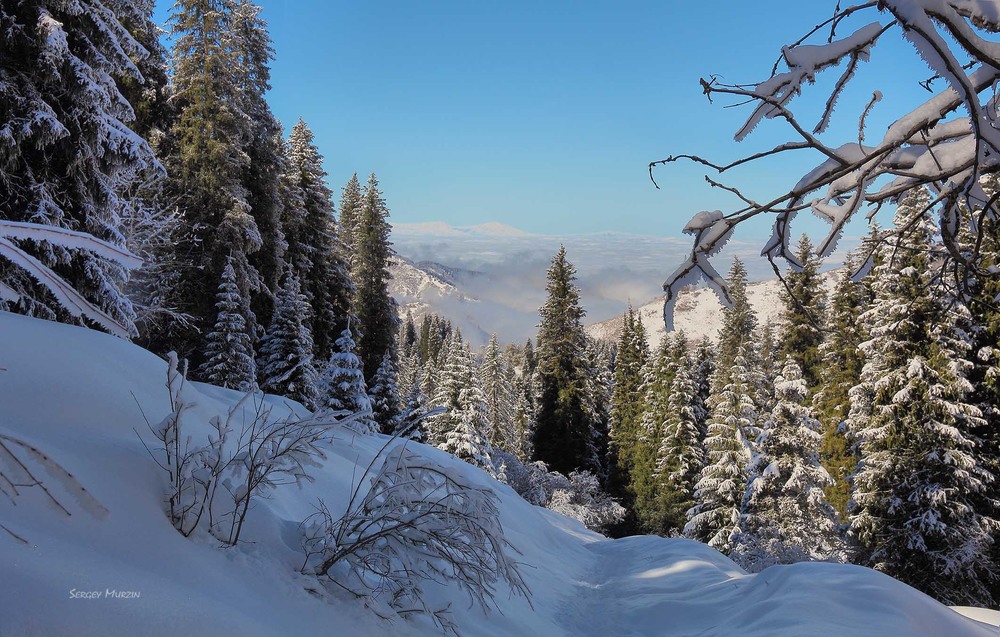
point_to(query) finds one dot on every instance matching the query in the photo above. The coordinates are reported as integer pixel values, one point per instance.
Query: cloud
(506, 273)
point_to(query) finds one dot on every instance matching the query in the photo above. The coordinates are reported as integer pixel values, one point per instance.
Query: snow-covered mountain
(74, 408)
(491, 277)
(698, 312)
(429, 287)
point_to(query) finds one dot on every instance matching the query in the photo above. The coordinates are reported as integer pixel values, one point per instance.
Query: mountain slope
(81, 398)
(699, 313)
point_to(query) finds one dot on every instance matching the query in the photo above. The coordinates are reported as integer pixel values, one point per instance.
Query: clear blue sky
(544, 115)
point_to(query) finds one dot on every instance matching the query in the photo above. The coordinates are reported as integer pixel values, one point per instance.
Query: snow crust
(78, 396)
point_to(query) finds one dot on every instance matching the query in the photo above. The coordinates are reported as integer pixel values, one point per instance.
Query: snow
(78, 396)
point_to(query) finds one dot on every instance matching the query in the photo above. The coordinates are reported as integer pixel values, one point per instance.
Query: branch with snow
(946, 144)
(65, 294)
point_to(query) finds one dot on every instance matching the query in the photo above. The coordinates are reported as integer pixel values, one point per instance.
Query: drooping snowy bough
(67, 296)
(947, 144)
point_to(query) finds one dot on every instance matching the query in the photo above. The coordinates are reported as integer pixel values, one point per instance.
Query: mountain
(90, 550)
(428, 287)
(698, 312)
(491, 277)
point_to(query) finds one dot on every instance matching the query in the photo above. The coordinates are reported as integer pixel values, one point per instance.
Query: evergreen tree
(982, 264)
(286, 365)
(207, 164)
(261, 143)
(350, 213)
(314, 249)
(785, 515)
(462, 428)
(407, 339)
(564, 432)
(805, 308)
(342, 385)
(916, 487)
(411, 419)
(229, 351)
(384, 394)
(681, 454)
(654, 394)
(598, 393)
(738, 321)
(841, 369)
(703, 368)
(496, 376)
(67, 156)
(626, 417)
(728, 447)
(374, 307)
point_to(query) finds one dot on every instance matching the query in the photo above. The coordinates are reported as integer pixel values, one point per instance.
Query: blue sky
(544, 115)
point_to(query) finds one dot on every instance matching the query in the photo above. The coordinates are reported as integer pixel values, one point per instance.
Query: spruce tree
(67, 155)
(463, 427)
(229, 348)
(654, 396)
(374, 307)
(496, 376)
(598, 392)
(314, 247)
(738, 321)
(841, 370)
(564, 435)
(785, 516)
(384, 394)
(804, 310)
(286, 353)
(681, 454)
(728, 449)
(411, 419)
(626, 417)
(350, 213)
(342, 385)
(207, 163)
(917, 486)
(261, 143)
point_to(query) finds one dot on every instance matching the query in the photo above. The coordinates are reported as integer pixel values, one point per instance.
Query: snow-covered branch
(946, 144)
(65, 294)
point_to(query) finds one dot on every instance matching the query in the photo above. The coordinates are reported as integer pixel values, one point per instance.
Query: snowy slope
(428, 287)
(699, 313)
(79, 396)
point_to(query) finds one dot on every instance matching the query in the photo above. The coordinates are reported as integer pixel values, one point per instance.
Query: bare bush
(416, 522)
(248, 454)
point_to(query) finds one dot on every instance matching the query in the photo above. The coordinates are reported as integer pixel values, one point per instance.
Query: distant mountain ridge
(427, 286)
(699, 312)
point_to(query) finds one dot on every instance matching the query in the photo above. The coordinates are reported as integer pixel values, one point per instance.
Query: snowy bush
(417, 522)
(579, 496)
(248, 454)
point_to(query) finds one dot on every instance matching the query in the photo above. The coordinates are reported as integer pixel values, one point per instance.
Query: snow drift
(116, 566)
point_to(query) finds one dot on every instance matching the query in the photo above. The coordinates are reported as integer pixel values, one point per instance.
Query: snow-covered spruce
(917, 508)
(342, 385)
(785, 517)
(68, 159)
(230, 360)
(286, 353)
